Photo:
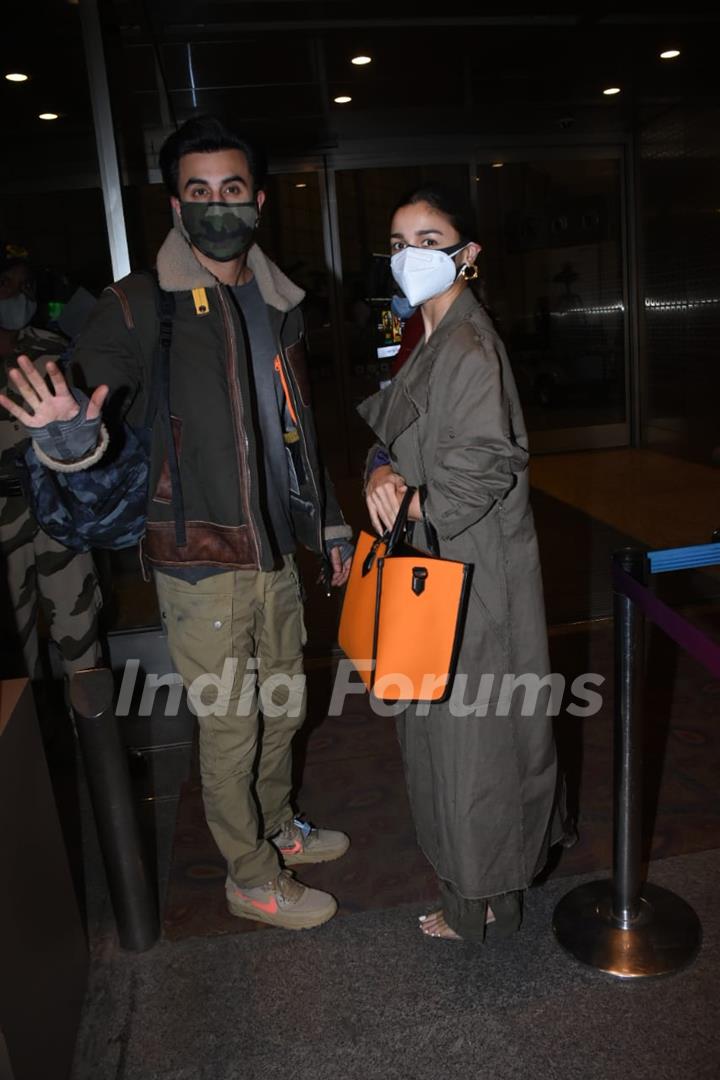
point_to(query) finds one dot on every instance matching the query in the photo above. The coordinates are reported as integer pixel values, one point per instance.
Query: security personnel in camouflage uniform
(36, 572)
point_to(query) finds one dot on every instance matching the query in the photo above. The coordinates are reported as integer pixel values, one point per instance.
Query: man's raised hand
(46, 406)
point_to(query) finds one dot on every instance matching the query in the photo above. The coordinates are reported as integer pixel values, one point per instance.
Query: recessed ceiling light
(47, 116)
(360, 61)
(342, 100)
(669, 54)
(17, 76)
(611, 90)
(301, 185)
(498, 164)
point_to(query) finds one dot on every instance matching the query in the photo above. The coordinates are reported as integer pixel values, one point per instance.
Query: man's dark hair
(447, 202)
(206, 135)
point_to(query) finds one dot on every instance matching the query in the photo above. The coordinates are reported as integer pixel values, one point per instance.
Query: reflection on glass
(553, 270)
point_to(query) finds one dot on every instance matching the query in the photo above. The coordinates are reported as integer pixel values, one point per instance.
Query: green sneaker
(299, 842)
(281, 902)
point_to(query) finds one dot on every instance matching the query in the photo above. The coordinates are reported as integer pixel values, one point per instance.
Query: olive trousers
(236, 639)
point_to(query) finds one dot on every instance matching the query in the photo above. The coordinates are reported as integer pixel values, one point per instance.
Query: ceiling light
(342, 100)
(47, 116)
(301, 185)
(360, 61)
(611, 90)
(669, 54)
(498, 164)
(17, 76)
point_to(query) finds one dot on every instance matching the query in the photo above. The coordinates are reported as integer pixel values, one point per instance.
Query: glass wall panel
(553, 273)
(679, 178)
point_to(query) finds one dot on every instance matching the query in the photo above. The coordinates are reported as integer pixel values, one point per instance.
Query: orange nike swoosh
(296, 848)
(268, 906)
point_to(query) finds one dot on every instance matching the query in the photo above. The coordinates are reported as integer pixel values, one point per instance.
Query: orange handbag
(402, 615)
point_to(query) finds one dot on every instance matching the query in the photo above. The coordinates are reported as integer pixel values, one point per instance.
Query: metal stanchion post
(627, 741)
(622, 926)
(104, 757)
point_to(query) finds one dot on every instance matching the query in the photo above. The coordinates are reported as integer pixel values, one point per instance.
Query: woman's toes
(429, 923)
(435, 926)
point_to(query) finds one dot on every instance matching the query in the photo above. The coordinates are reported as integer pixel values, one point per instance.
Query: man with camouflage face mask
(235, 485)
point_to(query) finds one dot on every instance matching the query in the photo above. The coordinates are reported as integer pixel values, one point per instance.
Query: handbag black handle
(393, 538)
(400, 522)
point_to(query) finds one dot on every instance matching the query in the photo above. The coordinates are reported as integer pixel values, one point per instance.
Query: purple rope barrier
(687, 636)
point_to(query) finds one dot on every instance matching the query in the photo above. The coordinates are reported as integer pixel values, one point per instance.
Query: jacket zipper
(280, 360)
(241, 439)
(288, 399)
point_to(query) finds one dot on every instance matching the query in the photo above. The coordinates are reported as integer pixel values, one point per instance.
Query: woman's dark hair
(447, 202)
(206, 135)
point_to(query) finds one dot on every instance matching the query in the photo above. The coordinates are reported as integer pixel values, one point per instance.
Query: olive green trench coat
(481, 785)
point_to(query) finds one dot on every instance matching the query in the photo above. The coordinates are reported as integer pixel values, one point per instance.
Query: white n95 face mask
(423, 273)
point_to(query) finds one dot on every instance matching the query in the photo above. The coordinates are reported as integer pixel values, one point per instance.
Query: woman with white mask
(480, 765)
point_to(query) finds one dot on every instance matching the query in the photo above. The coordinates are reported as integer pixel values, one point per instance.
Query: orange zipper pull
(286, 389)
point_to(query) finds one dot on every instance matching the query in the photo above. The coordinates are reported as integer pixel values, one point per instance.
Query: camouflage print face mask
(222, 231)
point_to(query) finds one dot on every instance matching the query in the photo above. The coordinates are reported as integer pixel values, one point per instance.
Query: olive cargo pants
(253, 617)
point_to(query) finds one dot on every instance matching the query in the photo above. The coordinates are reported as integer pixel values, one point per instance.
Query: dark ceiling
(274, 67)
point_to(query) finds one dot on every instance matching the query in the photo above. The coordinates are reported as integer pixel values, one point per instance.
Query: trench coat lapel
(392, 410)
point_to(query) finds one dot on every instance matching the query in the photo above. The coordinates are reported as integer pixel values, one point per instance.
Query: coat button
(217, 624)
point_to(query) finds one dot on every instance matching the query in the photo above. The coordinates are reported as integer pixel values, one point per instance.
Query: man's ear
(260, 198)
(175, 203)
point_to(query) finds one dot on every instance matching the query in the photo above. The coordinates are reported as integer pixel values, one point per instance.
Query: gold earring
(469, 272)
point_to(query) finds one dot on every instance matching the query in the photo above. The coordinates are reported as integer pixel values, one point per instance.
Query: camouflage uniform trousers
(40, 575)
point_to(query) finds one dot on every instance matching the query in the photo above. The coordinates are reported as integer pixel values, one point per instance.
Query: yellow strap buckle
(201, 302)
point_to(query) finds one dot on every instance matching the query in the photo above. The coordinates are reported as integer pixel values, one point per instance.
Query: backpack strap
(159, 403)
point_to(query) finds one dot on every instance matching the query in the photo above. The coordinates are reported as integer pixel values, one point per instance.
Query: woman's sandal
(434, 925)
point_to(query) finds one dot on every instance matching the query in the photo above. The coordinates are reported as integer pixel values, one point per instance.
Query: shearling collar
(179, 271)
